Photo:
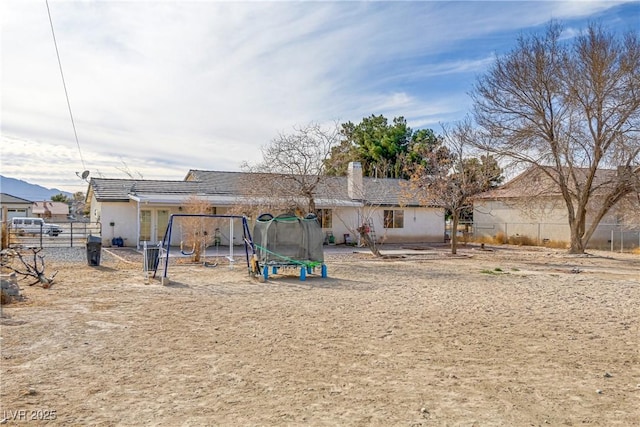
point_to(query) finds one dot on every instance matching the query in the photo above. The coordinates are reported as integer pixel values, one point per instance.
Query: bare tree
(451, 175)
(361, 225)
(128, 172)
(292, 167)
(195, 236)
(570, 110)
(34, 269)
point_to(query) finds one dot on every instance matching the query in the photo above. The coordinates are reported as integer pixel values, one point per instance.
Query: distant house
(52, 211)
(139, 210)
(12, 206)
(531, 207)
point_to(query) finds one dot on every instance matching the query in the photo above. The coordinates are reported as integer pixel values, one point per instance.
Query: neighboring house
(139, 210)
(12, 206)
(51, 211)
(531, 206)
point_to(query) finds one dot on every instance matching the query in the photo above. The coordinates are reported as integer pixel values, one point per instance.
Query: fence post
(71, 231)
(612, 240)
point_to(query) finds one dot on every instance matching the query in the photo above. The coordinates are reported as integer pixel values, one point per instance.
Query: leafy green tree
(381, 147)
(340, 155)
(60, 198)
(426, 148)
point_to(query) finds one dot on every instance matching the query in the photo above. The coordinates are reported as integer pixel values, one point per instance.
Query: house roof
(8, 199)
(54, 208)
(377, 191)
(226, 188)
(536, 181)
(121, 190)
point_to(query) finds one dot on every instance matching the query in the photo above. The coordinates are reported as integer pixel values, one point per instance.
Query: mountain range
(25, 190)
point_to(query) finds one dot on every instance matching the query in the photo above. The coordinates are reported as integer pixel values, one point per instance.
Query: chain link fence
(613, 237)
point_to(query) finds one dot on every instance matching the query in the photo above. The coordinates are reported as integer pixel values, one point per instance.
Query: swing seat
(193, 249)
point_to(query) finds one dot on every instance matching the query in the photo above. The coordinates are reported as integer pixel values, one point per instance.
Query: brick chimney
(355, 188)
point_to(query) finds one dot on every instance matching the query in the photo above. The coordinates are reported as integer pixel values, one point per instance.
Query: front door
(145, 225)
(162, 221)
(153, 225)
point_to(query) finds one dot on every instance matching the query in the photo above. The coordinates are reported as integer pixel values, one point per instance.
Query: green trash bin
(94, 248)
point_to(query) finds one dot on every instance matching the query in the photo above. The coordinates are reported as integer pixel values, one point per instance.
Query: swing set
(201, 243)
(282, 242)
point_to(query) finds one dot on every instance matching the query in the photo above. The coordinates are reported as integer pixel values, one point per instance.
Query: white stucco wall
(538, 221)
(420, 224)
(546, 221)
(123, 216)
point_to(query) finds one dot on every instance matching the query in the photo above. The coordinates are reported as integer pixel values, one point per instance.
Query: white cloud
(167, 86)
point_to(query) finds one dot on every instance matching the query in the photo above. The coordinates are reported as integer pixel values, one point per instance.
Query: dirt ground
(509, 337)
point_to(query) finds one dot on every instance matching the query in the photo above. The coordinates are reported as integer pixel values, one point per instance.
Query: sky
(157, 88)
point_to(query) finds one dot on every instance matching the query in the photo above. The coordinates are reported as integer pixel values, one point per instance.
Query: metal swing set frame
(249, 248)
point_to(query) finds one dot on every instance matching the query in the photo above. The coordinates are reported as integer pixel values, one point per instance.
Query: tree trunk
(454, 233)
(577, 245)
(577, 227)
(363, 231)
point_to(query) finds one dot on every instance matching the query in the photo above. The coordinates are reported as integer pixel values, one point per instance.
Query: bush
(499, 238)
(5, 236)
(522, 241)
(555, 244)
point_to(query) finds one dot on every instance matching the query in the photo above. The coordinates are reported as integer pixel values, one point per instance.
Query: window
(393, 219)
(325, 218)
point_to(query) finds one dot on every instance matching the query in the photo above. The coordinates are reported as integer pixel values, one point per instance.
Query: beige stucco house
(139, 210)
(52, 211)
(12, 206)
(530, 206)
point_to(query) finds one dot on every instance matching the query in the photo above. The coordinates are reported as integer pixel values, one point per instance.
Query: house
(531, 207)
(139, 210)
(51, 211)
(12, 206)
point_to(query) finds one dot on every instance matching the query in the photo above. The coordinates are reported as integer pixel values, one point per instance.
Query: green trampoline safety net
(288, 239)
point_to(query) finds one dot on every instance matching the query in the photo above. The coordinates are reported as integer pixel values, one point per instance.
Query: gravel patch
(331, 253)
(70, 255)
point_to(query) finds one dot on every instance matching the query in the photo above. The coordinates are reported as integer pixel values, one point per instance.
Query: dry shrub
(483, 239)
(5, 235)
(556, 244)
(522, 241)
(636, 251)
(194, 236)
(498, 239)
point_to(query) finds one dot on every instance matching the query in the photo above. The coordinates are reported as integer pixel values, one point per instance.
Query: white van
(34, 226)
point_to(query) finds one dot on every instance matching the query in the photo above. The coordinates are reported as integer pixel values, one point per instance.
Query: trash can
(94, 247)
(152, 258)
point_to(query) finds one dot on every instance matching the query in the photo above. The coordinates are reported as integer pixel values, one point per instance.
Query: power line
(66, 94)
